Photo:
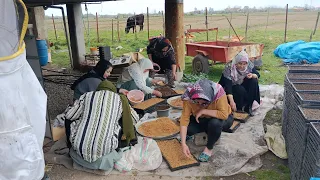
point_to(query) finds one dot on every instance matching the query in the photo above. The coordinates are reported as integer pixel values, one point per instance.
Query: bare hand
(199, 114)
(174, 75)
(249, 76)
(185, 150)
(233, 106)
(157, 93)
(123, 91)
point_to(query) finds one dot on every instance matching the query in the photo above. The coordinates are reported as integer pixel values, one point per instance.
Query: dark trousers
(246, 93)
(212, 126)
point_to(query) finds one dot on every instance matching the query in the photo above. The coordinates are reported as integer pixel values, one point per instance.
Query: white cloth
(22, 103)
(275, 141)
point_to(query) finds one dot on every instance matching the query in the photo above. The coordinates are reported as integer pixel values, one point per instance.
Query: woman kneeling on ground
(205, 109)
(240, 81)
(94, 127)
(136, 76)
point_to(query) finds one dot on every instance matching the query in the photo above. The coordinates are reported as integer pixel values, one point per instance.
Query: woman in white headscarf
(240, 81)
(136, 76)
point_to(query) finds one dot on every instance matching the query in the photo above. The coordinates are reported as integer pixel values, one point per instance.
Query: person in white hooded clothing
(136, 76)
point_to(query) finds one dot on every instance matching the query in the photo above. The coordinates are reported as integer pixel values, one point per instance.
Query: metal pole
(97, 21)
(265, 31)
(118, 29)
(230, 27)
(112, 31)
(246, 34)
(54, 27)
(207, 24)
(286, 25)
(233, 29)
(163, 23)
(315, 27)
(148, 22)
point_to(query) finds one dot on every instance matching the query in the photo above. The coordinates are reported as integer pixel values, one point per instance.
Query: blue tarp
(298, 51)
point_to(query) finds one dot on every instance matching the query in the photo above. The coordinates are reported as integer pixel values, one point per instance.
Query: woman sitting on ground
(205, 109)
(240, 81)
(94, 126)
(136, 76)
(90, 81)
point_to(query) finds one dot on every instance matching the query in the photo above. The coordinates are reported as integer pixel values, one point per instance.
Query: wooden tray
(166, 91)
(147, 106)
(197, 163)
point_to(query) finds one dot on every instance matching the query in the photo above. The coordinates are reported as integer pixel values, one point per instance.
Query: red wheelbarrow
(218, 51)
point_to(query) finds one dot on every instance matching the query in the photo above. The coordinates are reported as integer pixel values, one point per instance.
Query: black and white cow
(138, 19)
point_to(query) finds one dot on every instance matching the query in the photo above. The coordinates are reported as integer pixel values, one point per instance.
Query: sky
(140, 6)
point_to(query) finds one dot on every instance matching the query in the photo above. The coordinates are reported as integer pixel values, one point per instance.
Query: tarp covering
(22, 100)
(298, 51)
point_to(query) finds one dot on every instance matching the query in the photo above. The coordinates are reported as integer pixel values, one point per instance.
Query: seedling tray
(149, 109)
(166, 91)
(304, 69)
(241, 120)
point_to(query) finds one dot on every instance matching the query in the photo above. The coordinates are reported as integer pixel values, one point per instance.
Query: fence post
(286, 25)
(265, 31)
(163, 24)
(118, 28)
(207, 24)
(246, 34)
(135, 25)
(112, 31)
(315, 27)
(97, 27)
(148, 22)
(54, 27)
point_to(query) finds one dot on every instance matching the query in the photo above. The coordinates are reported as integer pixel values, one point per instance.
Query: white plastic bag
(144, 156)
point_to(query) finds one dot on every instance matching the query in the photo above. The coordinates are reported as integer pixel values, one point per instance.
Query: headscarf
(162, 43)
(204, 89)
(136, 70)
(127, 123)
(232, 73)
(97, 72)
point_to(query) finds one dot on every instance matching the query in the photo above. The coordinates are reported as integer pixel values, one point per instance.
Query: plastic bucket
(135, 96)
(42, 51)
(94, 51)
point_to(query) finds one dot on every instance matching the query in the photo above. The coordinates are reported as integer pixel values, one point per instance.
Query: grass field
(300, 25)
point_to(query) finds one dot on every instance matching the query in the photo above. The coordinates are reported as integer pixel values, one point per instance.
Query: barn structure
(36, 9)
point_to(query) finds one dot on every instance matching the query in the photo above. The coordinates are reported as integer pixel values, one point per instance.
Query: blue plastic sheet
(298, 51)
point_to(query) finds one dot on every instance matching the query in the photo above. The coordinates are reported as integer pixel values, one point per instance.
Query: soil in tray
(308, 87)
(306, 80)
(312, 114)
(240, 116)
(148, 103)
(310, 96)
(303, 76)
(317, 126)
(159, 128)
(172, 152)
(166, 91)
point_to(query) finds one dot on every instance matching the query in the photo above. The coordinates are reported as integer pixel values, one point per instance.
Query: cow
(133, 21)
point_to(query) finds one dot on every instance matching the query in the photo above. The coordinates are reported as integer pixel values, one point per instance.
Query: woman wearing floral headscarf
(205, 109)
(240, 81)
(160, 51)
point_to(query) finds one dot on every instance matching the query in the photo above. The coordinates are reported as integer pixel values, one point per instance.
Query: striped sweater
(95, 124)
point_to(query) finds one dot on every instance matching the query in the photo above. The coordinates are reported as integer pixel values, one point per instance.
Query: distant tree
(195, 9)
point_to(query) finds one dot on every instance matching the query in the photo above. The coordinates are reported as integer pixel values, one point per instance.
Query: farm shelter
(173, 21)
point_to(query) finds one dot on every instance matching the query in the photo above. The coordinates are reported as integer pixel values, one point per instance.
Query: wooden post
(286, 25)
(265, 31)
(207, 24)
(148, 25)
(118, 29)
(315, 27)
(97, 22)
(311, 36)
(163, 24)
(112, 31)
(135, 25)
(54, 27)
(246, 34)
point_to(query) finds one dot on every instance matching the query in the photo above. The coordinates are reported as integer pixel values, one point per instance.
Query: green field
(272, 70)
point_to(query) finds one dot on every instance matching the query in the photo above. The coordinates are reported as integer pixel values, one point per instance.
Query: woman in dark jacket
(240, 81)
(90, 81)
(160, 51)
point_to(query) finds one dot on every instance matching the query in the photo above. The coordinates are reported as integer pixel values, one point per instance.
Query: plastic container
(163, 110)
(42, 51)
(94, 51)
(135, 96)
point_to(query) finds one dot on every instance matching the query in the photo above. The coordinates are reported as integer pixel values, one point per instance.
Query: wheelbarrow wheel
(200, 64)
